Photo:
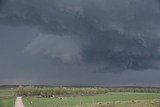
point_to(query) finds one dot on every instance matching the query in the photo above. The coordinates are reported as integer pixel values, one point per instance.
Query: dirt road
(19, 102)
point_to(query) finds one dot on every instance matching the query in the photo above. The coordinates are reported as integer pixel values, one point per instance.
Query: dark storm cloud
(113, 35)
(1, 2)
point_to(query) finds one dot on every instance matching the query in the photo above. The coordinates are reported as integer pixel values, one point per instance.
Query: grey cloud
(120, 34)
(1, 1)
(66, 48)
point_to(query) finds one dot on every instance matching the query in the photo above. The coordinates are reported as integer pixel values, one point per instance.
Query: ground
(110, 99)
(7, 98)
(115, 99)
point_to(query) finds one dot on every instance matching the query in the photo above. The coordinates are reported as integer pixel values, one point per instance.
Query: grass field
(7, 98)
(68, 97)
(112, 99)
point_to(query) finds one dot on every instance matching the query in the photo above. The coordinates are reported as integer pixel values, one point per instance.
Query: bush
(49, 92)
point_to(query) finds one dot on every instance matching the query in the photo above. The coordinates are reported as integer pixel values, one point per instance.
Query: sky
(77, 42)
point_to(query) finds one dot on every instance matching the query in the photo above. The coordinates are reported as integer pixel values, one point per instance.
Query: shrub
(49, 92)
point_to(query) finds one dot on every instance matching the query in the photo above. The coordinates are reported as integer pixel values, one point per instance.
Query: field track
(19, 102)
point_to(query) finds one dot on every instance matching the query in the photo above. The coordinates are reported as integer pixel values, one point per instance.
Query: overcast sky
(80, 42)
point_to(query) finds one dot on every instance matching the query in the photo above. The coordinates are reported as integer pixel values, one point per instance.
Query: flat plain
(118, 98)
(107, 100)
(125, 97)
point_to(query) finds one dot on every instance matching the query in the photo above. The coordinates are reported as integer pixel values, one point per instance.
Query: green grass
(7, 102)
(7, 98)
(140, 103)
(105, 99)
(110, 99)
(6, 92)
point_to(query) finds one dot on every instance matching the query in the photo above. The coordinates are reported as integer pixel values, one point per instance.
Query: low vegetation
(111, 99)
(7, 98)
(68, 91)
(7, 101)
(58, 91)
(141, 90)
(40, 96)
(89, 97)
